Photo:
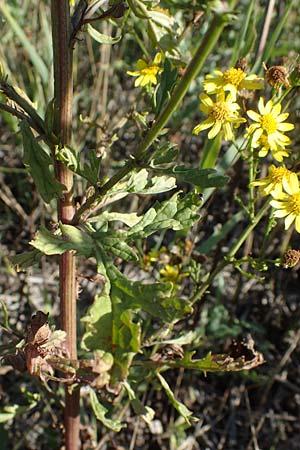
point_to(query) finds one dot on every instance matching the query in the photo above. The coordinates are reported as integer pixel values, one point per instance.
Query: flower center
(268, 123)
(234, 76)
(150, 70)
(277, 174)
(220, 111)
(295, 204)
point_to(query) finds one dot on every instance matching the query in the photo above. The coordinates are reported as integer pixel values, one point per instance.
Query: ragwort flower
(269, 124)
(273, 182)
(147, 71)
(279, 153)
(172, 273)
(233, 80)
(287, 204)
(222, 115)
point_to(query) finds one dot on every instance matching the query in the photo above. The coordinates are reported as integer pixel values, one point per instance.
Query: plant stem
(204, 49)
(63, 91)
(199, 294)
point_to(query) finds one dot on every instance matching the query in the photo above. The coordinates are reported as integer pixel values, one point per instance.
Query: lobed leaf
(72, 238)
(164, 155)
(100, 412)
(202, 178)
(38, 162)
(175, 213)
(221, 362)
(142, 182)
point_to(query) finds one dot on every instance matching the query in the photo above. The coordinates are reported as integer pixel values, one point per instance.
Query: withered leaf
(38, 331)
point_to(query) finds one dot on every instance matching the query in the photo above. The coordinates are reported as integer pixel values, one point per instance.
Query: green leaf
(49, 243)
(27, 259)
(160, 23)
(136, 9)
(180, 407)
(129, 219)
(68, 156)
(91, 170)
(100, 412)
(113, 321)
(164, 154)
(159, 184)
(167, 82)
(10, 412)
(81, 241)
(38, 162)
(145, 412)
(143, 182)
(202, 178)
(117, 246)
(162, 18)
(55, 244)
(110, 324)
(154, 298)
(175, 213)
(101, 38)
(99, 316)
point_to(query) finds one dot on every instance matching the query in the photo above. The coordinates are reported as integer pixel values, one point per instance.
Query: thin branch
(11, 93)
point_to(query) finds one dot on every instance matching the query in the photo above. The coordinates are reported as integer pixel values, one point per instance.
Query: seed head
(276, 76)
(290, 258)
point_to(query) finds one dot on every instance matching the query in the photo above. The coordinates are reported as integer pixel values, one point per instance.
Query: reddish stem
(63, 91)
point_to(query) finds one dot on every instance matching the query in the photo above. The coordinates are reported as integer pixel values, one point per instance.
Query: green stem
(199, 294)
(252, 174)
(63, 91)
(207, 44)
(34, 119)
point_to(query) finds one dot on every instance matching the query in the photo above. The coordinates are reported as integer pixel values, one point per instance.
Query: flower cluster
(264, 136)
(223, 110)
(267, 134)
(233, 81)
(267, 131)
(283, 185)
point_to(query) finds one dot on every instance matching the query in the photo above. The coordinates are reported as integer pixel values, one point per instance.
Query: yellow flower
(147, 71)
(172, 273)
(270, 124)
(233, 80)
(222, 114)
(279, 153)
(273, 182)
(287, 204)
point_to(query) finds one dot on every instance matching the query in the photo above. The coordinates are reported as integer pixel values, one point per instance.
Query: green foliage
(138, 177)
(38, 162)
(180, 407)
(11, 412)
(100, 412)
(113, 322)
